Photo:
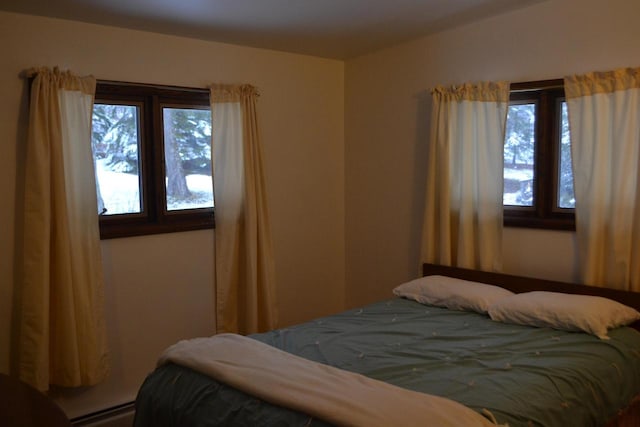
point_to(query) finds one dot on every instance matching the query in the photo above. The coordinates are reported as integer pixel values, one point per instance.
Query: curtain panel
(604, 121)
(463, 207)
(62, 329)
(245, 278)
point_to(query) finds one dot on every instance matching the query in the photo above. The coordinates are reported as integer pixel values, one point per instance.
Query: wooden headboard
(520, 284)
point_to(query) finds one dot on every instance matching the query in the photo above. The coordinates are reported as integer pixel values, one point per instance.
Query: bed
(505, 373)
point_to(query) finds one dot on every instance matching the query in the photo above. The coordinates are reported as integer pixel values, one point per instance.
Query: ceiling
(339, 29)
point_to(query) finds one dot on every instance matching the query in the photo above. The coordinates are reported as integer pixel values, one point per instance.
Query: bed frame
(627, 417)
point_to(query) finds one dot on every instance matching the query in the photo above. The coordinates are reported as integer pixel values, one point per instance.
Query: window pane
(519, 156)
(187, 148)
(115, 143)
(566, 198)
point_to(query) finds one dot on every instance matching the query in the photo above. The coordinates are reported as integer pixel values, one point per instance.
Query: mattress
(523, 376)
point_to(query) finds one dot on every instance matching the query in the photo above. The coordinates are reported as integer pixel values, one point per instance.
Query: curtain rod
(537, 85)
(154, 86)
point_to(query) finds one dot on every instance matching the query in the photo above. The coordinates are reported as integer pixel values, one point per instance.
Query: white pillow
(452, 293)
(569, 312)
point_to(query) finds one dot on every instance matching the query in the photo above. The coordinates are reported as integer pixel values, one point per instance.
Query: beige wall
(387, 121)
(159, 288)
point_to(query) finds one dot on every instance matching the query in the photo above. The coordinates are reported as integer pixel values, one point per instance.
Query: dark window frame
(547, 95)
(154, 218)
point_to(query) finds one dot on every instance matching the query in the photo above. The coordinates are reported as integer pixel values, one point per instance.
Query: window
(152, 153)
(538, 181)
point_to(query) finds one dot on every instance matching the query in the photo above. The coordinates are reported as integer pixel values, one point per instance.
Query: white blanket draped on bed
(327, 393)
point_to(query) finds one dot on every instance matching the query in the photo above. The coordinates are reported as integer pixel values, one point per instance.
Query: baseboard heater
(116, 416)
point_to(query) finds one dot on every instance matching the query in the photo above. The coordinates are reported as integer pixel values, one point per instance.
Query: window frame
(155, 218)
(545, 213)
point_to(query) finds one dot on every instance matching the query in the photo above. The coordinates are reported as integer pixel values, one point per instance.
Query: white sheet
(340, 397)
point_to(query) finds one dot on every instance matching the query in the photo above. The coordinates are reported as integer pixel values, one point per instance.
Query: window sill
(566, 223)
(123, 228)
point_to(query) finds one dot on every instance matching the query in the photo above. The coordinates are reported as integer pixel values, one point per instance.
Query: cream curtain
(62, 330)
(245, 285)
(604, 119)
(463, 208)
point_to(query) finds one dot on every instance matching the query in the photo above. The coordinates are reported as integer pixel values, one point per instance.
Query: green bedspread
(524, 376)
